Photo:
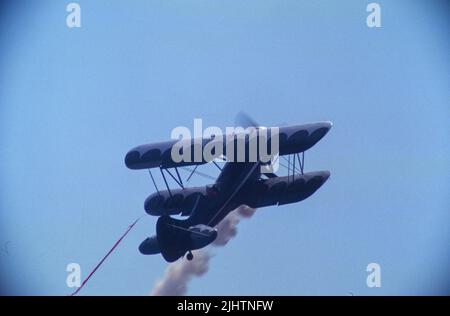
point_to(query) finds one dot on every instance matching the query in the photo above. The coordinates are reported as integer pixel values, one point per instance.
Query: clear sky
(74, 101)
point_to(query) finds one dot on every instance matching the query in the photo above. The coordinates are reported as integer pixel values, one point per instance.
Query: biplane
(239, 183)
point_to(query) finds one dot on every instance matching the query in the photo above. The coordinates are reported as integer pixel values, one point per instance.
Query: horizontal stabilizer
(149, 246)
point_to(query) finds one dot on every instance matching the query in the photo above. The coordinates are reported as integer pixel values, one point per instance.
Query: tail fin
(176, 237)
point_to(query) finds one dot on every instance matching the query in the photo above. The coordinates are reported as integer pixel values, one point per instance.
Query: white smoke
(227, 229)
(179, 273)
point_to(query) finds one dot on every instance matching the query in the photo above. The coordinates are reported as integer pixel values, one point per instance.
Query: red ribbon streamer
(106, 256)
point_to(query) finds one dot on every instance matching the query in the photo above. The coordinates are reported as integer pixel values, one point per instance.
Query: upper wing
(174, 153)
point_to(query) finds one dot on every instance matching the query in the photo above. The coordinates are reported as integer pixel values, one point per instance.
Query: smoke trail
(226, 229)
(179, 273)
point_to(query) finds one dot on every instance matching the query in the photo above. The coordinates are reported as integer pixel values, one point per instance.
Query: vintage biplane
(239, 183)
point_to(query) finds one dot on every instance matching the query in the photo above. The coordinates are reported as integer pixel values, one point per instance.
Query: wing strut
(301, 162)
(165, 181)
(153, 180)
(293, 170)
(215, 163)
(179, 178)
(289, 168)
(179, 182)
(192, 171)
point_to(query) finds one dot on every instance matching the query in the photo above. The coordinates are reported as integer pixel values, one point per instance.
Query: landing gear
(189, 256)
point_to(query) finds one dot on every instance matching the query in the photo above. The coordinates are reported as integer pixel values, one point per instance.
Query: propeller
(244, 120)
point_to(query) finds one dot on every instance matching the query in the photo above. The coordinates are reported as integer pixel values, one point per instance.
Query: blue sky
(74, 101)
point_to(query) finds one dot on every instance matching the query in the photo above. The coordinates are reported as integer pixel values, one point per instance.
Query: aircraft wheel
(190, 256)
